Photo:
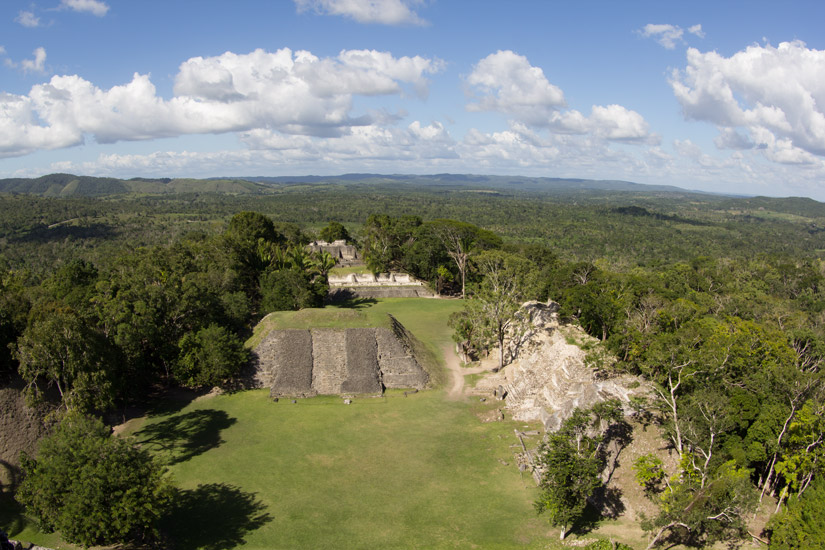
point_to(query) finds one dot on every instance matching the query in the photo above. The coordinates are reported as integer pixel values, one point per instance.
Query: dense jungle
(114, 293)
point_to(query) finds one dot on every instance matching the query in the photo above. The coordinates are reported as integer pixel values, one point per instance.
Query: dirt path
(457, 372)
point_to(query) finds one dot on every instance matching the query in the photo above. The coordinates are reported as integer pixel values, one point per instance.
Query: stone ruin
(328, 361)
(548, 377)
(382, 285)
(344, 254)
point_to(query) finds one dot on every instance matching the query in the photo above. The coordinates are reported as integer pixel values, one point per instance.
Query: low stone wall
(303, 363)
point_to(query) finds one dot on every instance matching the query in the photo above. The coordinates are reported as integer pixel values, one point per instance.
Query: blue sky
(715, 96)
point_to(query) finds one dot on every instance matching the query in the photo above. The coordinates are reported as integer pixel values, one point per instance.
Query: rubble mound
(547, 377)
(21, 427)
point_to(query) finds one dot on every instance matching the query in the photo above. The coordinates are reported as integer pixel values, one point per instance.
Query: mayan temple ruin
(332, 361)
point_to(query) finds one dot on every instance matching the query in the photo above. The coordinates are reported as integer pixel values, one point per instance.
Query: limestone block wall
(286, 356)
(399, 369)
(363, 375)
(303, 363)
(329, 364)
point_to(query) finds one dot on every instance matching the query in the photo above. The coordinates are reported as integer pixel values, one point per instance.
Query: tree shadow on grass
(12, 518)
(184, 436)
(347, 298)
(214, 516)
(605, 503)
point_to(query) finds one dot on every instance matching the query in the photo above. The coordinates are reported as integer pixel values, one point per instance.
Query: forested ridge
(717, 302)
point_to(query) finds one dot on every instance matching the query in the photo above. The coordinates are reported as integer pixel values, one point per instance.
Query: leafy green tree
(14, 312)
(209, 357)
(569, 479)
(699, 511)
(495, 303)
(459, 239)
(291, 289)
(571, 461)
(801, 525)
(60, 350)
(73, 283)
(334, 231)
(92, 488)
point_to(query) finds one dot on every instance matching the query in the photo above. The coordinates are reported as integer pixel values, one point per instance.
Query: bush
(209, 357)
(94, 489)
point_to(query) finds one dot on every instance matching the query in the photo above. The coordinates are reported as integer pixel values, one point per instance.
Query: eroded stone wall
(329, 364)
(303, 363)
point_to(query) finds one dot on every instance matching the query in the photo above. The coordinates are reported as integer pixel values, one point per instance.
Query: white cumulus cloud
(289, 92)
(696, 30)
(27, 19)
(95, 7)
(770, 97)
(506, 82)
(37, 64)
(664, 34)
(385, 12)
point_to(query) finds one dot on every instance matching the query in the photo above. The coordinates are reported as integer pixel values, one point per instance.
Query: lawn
(391, 472)
(418, 471)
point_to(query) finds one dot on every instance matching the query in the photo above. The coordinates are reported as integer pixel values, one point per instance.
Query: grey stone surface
(329, 369)
(289, 353)
(348, 293)
(549, 377)
(363, 375)
(302, 363)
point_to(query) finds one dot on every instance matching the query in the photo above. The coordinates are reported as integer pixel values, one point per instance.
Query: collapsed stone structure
(330, 361)
(21, 427)
(548, 377)
(344, 254)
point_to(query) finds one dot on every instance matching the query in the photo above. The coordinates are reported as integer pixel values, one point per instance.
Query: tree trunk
(563, 532)
(662, 531)
(500, 353)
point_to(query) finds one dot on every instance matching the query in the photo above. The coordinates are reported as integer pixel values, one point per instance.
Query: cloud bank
(764, 97)
(506, 82)
(284, 91)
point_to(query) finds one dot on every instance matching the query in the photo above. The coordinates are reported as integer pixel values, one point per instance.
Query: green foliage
(291, 289)
(507, 281)
(94, 489)
(801, 524)
(699, 511)
(571, 461)
(649, 473)
(209, 357)
(334, 231)
(60, 350)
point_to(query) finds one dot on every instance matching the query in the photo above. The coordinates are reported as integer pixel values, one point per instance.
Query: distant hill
(69, 185)
(454, 181)
(608, 192)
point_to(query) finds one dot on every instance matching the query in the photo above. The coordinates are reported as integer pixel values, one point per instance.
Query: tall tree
(460, 239)
(507, 280)
(60, 350)
(92, 488)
